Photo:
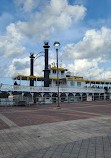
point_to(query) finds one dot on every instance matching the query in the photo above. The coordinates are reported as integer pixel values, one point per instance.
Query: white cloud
(89, 69)
(10, 43)
(22, 66)
(19, 66)
(94, 44)
(28, 5)
(57, 16)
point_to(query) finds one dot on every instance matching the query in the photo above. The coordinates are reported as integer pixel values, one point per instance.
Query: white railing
(18, 88)
(109, 90)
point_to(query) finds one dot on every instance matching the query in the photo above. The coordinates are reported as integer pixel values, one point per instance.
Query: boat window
(67, 75)
(78, 84)
(72, 83)
(54, 71)
(62, 72)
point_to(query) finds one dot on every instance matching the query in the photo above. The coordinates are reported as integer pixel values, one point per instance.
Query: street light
(57, 45)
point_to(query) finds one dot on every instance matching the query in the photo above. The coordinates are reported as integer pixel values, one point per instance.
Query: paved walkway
(7, 121)
(78, 130)
(89, 138)
(97, 147)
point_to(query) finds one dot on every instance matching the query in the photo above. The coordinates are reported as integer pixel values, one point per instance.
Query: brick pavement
(22, 142)
(7, 121)
(52, 133)
(3, 125)
(25, 116)
(45, 116)
(96, 147)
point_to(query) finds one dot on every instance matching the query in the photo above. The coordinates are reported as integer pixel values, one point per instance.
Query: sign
(89, 98)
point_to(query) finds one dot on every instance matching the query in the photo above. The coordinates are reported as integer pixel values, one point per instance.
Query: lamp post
(57, 45)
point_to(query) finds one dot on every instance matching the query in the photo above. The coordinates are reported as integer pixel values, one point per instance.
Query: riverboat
(67, 87)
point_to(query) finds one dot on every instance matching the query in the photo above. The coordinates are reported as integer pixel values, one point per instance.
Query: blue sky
(83, 27)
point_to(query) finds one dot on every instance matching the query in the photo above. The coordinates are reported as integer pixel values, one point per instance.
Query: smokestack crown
(46, 45)
(32, 55)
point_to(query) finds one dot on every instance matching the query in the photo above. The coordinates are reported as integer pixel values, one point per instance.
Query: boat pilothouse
(61, 75)
(71, 88)
(66, 80)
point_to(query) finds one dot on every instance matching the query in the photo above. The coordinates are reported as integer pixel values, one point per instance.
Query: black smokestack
(32, 69)
(46, 70)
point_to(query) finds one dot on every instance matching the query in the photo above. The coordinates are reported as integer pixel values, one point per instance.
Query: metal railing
(44, 100)
(6, 102)
(19, 88)
(23, 100)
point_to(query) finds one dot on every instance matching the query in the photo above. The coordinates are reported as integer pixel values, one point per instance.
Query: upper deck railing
(11, 88)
